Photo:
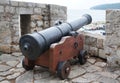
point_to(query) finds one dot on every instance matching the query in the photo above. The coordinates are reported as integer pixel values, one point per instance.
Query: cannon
(54, 47)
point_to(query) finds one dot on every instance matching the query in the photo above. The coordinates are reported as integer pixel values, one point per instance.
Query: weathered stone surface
(94, 51)
(5, 81)
(113, 61)
(100, 43)
(7, 57)
(40, 5)
(25, 4)
(20, 58)
(93, 68)
(23, 10)
(92, 61)
(9, 9)
(100, 64)
(17, 54)
(14, 3)
(12, 63)
(107, 80)
(4, 68)
(1, 9)
(41, 75)
(113, 36)
(15, 48)
(37, 10)
(80, 80)
(36, 17)
(5, 48)
(5, 33)
(118, 79)
(108, 74)
(17, 70)
(25, 78)
(33, 24)
(50, 80)
(117, 72)
(91, 76)
(3, 2)
(5, 73)
(77, 72)
(102, 54)
(13, 76)
(39, 23)
(2, 78)
(20, 64)
(86, 65)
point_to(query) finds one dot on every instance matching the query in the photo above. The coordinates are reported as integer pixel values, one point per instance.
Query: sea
(97, 15)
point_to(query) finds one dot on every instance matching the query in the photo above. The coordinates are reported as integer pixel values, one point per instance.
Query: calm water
(97, 15)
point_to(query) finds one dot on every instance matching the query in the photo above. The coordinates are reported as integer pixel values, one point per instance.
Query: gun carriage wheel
(82, 57)
(63, 69)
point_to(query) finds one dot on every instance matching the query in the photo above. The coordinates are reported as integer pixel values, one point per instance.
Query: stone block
(37, 10)
(102, 54)
(39, 23)
(40, 5)
(14, 21)
(91, 77)
(45, 11)
(101, 64)
(15, 39)
(104, 79)
(46, 18)
(15, 48)
(108, 74)
(92, 61)
(4, 2)
(25, 4)
(1, 9)
(93, 68)
(46, 24)
(13, 76)
(14, 3)
(80, 80)
(12, 63)
(36, 17)
(2, 78)
(113, 61)
(5, 33)
(86, 47)
(93, 51)
(33, 24)
(5, 48)
(77, 72)
(10, 9)
(26, 78)
(4, 68)
(100, 43)
(23, 10)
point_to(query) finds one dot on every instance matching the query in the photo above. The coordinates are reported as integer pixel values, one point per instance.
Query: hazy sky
(74, 4)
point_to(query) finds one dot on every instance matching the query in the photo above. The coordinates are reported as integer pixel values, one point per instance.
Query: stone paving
(94, 71)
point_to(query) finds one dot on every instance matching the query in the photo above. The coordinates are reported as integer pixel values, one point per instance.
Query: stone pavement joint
(94, 71)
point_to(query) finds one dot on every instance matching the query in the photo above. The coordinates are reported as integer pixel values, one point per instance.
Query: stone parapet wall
(41, 16)
(108, 46)
(112, 43)
(94, 44)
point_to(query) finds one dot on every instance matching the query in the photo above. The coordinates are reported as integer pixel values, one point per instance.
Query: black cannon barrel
(32, 45)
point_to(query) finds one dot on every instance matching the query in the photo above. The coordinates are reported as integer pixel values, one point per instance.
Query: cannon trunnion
(55, 47)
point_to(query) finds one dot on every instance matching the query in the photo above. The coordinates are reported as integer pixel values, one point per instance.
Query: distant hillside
(107, 6)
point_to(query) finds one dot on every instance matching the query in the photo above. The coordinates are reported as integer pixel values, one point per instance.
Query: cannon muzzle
(33, 45)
